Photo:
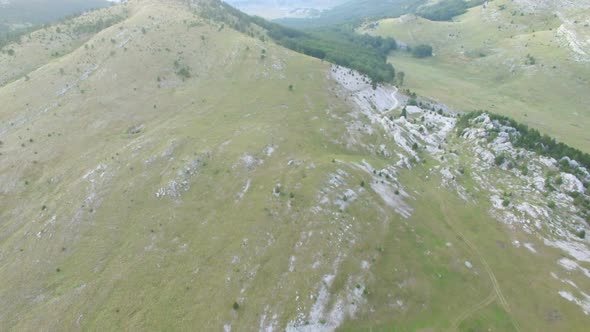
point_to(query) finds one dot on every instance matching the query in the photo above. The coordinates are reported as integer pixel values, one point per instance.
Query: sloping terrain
(41, 46)
(525, 59)
(16, 14)
(170, 173)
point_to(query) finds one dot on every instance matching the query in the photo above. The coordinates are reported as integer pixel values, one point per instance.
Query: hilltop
(163, 171)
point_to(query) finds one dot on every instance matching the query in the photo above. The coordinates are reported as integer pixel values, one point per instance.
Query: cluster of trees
(337, 44)
(532, 140)
(340, 46)
(96, 26)
(182, 70)
(447, 9)
(422, 51)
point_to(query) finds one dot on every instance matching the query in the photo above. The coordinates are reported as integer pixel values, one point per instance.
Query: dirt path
(497, 293)
(395, 104)
(484, 303)
(395, 99)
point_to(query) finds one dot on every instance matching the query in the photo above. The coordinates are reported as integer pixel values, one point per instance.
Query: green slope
(24, 13)
(481, 62)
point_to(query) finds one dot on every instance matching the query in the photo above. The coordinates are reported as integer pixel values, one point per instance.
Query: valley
(482, 62)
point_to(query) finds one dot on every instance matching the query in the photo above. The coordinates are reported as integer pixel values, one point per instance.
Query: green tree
(404, 112)
(400, 78)
(422, 51)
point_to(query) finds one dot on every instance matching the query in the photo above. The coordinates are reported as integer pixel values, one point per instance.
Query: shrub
(422, 51)
(559, 181)
(530, 60)
(236, 306)
(404, 113)
(184, 72)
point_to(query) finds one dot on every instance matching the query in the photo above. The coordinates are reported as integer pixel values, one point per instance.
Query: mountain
(16, 14)
(284, 8)
(160, 170)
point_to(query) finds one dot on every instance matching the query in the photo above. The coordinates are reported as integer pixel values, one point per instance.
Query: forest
(340, 46)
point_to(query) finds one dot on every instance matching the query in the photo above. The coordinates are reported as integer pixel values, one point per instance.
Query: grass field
(480, 62)
(424, 284)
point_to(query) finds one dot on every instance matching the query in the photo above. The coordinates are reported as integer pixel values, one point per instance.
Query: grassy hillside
(169, 172)
(16, 14)
(35, 48)
(507, 58)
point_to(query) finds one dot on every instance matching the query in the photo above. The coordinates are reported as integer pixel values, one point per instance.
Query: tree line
(531, 139)
(336, 44)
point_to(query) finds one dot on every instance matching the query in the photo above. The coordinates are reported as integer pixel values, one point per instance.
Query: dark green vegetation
(23, 13)
(422, 51)
(335, 44)
(96, 26)
(361, 52)
(531, 139)
(446, 10)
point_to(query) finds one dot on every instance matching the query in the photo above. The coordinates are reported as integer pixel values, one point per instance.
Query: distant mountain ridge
(284, 8)
(357, 10)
